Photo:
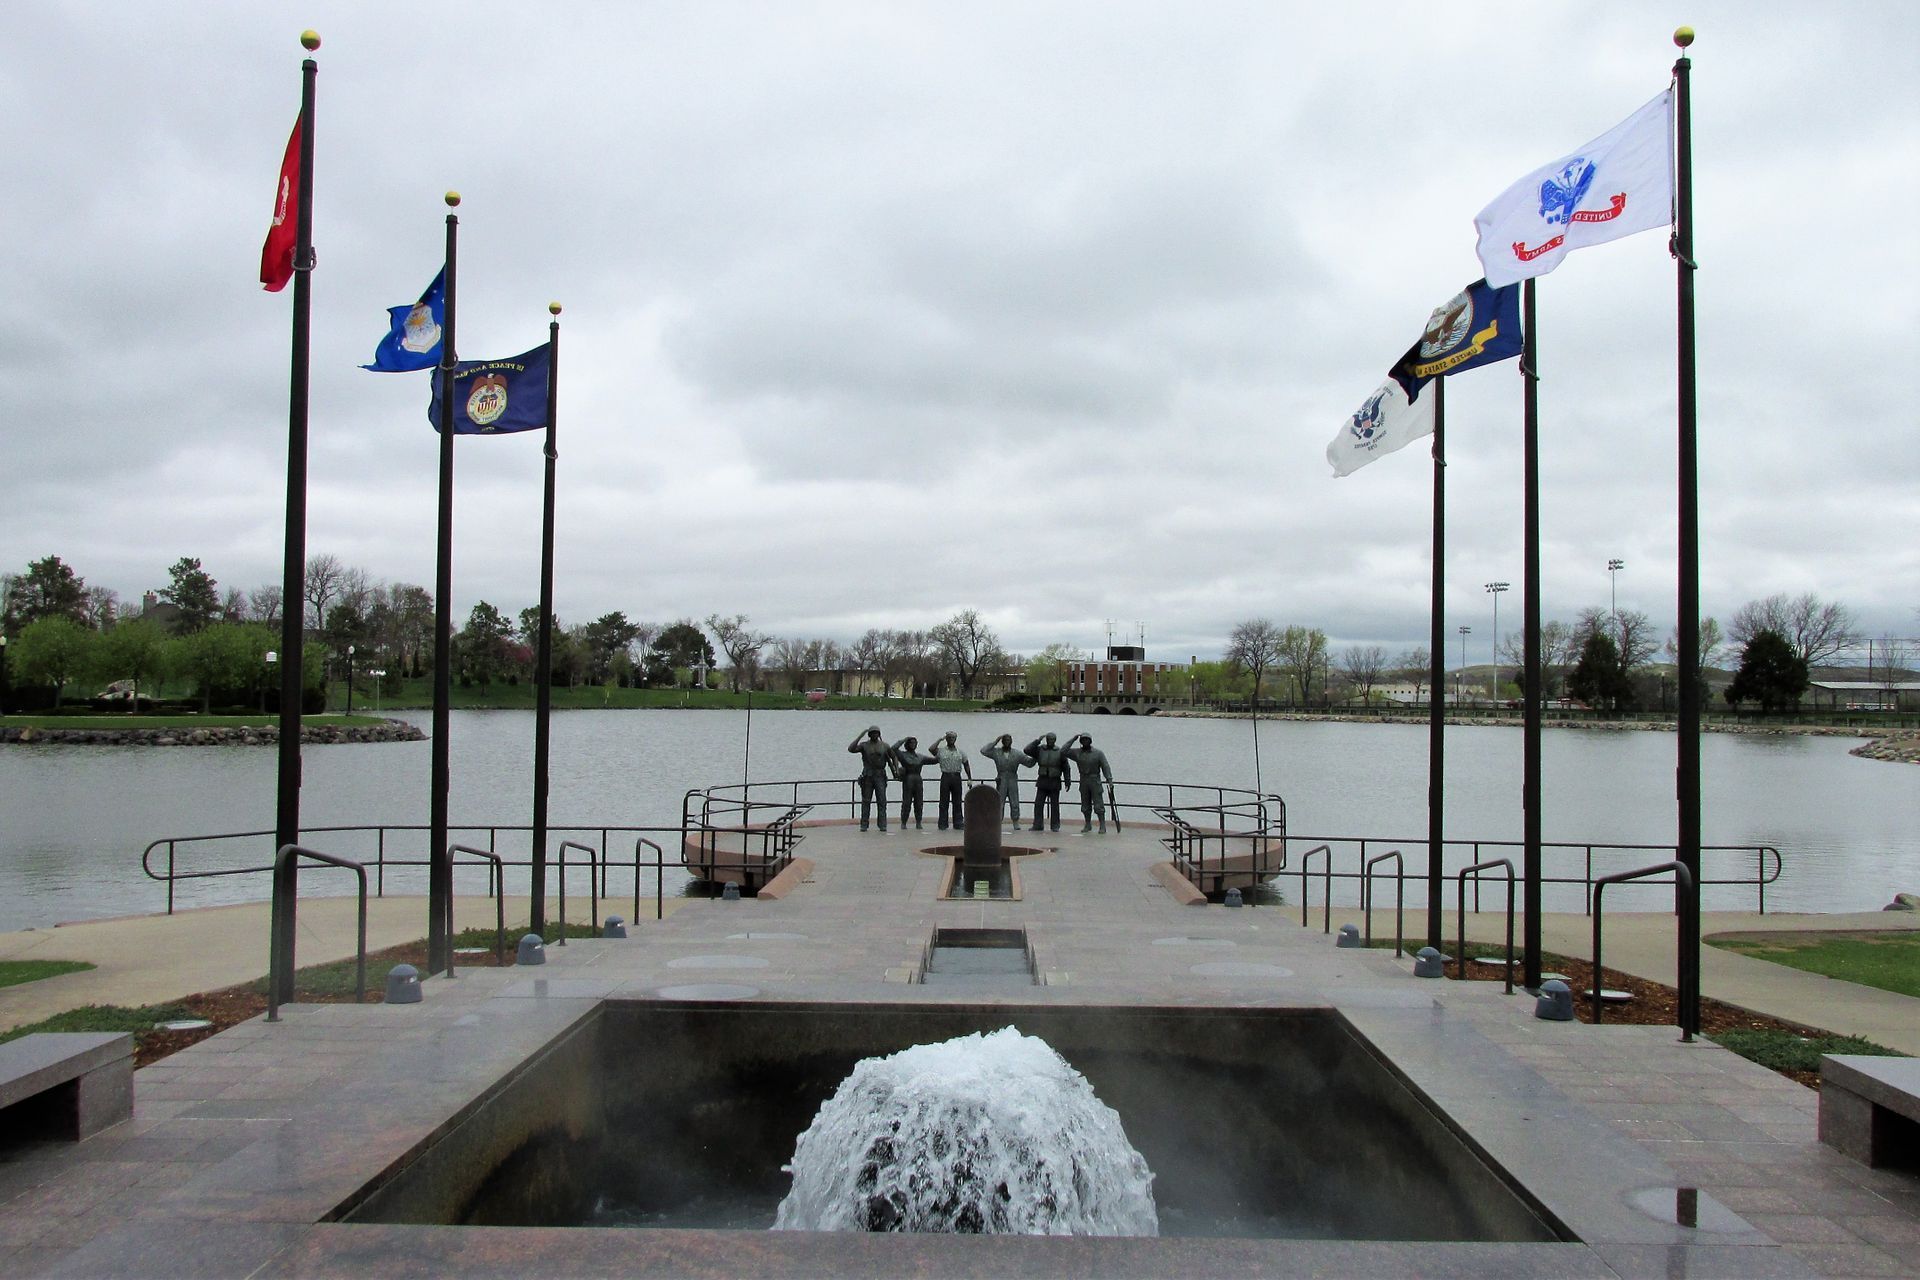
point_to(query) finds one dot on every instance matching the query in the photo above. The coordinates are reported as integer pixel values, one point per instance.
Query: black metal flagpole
(1688, 896)
(293, 575)
(1436, 711)
(439, 862)
(543, 658)
(1532, 690)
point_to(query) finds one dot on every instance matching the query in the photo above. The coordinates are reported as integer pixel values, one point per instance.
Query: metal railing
(1399, 897)
(496, 881)
(1460, 915)
(711, 820)
(1189, 844)
(1326, 888)
(383, 837)
(1681, 876)
(1766, 861)
(280, 941)
(593, 883)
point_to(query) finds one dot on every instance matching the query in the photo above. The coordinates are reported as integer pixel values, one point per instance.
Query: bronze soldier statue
(1051, 760)
(1093, 766)
(1007, 760)
(908, 763)
(874, 758)
(953, 762)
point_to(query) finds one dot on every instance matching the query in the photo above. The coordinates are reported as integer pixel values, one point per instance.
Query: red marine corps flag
(276, 256)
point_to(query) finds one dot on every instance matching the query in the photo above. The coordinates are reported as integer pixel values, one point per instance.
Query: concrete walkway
(1644, 944)
(151, 959)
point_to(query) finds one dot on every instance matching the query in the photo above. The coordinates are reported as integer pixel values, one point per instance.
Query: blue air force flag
(1479, 325)
(1619, 183)
(494, 397)
(1386, 422)
(413, 341)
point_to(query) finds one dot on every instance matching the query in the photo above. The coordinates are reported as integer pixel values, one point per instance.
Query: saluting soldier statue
(1051, 759)
(1007, 760)
(874, 757)
(909, 762)
(1093, 766)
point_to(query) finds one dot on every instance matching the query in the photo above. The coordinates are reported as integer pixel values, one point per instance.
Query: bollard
(533, 950)
(403, 985)
(616, 927)
(731, 893)
(1233, 899)
(1429, 963)
(1555, 1003)
(1349, 936)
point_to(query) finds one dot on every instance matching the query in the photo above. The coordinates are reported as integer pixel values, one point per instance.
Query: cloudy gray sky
(878, 312)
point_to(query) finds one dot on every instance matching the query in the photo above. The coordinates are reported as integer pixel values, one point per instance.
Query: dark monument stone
(981, 847)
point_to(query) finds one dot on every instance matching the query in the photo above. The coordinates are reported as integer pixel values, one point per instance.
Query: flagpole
(1532, 689)
(543, 659)
(293, 580)
(439, 862)
(1687, 897)
(1436, 712)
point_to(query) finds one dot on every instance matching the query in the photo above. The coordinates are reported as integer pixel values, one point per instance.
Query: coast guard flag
(1619, 183)
(413, 341)
(1386, 422)
(1479, 325)
(494, 397)
(276, 255)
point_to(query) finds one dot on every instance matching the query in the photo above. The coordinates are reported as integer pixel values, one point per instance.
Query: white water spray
(985, 1133)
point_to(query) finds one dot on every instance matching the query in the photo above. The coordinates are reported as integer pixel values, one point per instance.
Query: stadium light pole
(1460, 681)
(1494, 589)
(1613, 587)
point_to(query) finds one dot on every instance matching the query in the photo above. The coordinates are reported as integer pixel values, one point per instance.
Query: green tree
(226, 657)
(483, 644)
(192, 591)
(680, 644)
(1598, 679)
(1771, 673)
(607, 637)
(1303, 655)
(1046, 669)
(48, 589)
(134, 650)
(52, 650)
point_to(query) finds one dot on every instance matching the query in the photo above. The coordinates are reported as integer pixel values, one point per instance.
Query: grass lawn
(15, 972)
(172, 722)
(1889, 960)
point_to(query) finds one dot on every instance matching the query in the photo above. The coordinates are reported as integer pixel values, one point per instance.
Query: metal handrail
(659, 876)
(1684, 878)
(593, 883)
(1326, 888)
(496, 885)
(1399, 897)
(280, 942)
(1460, 914)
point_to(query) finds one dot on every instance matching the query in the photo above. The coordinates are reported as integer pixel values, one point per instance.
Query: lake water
(73, 820)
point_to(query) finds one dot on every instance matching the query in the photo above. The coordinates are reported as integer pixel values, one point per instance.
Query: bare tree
(1710, 642)
(1817, 630)
(1364, 665)
(741, 644)
(1254, 647)
(1630, 630)
(102, 606)
(263, 604)
(1416, 664)
(1558, 650)
(969, 646)
(791, 656)
(920, 659)
(321, 586)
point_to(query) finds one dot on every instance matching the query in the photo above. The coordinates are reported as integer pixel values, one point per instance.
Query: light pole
(272, 660)
(1613, 583)
(378, 676)
(349, 679)
(1460, 681)
(1494, 589)
(3, 676)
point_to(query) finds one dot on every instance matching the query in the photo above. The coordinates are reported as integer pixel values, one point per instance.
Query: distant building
(1124, 676)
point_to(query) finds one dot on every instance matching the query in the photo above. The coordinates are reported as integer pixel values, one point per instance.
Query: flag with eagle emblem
(1386, 422)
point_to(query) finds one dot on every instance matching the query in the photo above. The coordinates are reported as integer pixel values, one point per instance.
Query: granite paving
(1658, 1157)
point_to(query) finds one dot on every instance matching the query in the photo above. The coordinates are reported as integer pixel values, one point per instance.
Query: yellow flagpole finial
(1683, 36)
(553, 308)
(453, 199)
(309, 39)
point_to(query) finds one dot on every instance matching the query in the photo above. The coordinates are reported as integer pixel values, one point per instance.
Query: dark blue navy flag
(414, 341)
(1477, 326)
(494, 397)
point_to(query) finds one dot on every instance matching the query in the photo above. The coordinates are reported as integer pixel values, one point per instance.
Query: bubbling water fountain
(992, 1134)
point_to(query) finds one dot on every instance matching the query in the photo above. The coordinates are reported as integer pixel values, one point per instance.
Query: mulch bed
(231, 1006)
(1653, 1005)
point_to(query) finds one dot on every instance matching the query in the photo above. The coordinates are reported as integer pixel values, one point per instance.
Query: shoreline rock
(1901, 748)
(211, 736)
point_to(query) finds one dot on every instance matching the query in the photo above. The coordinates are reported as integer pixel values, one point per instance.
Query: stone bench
(65, 1084)
(1870, 1108)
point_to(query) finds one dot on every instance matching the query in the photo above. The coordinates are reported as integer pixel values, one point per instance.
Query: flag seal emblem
(1365, 423)
(422, 334)
(1448, 326)
(488, 400)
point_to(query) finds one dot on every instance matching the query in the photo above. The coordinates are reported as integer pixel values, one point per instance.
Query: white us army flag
(1386, 422)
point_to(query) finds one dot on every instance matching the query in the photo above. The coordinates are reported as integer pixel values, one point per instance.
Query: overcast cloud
(875, 313)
